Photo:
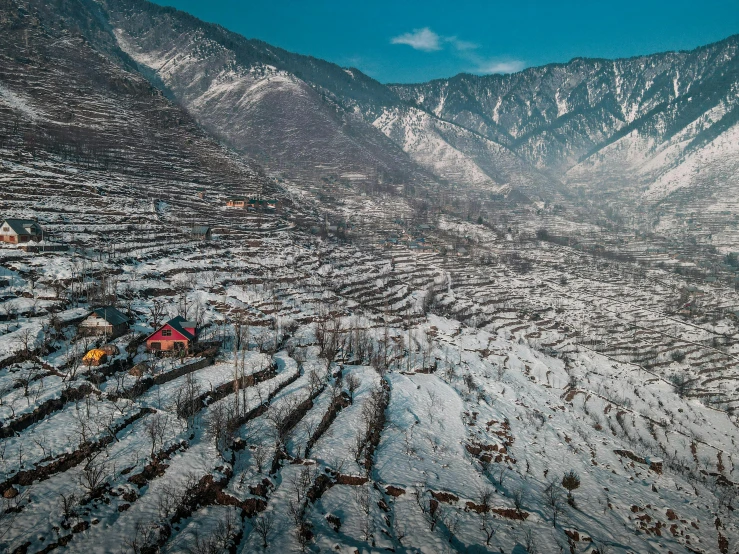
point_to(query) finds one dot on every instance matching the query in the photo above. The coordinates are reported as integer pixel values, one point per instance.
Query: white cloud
(427, 40)
(461, 44)
(497, 66)
(420, 39)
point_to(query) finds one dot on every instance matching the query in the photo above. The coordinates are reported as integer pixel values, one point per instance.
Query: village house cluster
(176, 335)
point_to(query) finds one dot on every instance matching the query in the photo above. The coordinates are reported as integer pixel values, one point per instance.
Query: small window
(156, 345)
(6, 229)
(166, 332)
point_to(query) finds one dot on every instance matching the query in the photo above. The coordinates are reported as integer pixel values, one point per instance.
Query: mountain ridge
(612, 126)
(733, 36)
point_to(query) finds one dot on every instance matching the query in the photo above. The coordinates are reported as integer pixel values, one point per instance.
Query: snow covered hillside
(346, 406)
(450, 354)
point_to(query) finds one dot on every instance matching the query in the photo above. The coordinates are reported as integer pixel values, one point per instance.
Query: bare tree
(221, 425)
(169, 499)
(529, 542)
(314, 382)
(500, 475)
(74, 360)
(280, 415)
(263, 526)
(93, 476)
(301, 482)
(296, 508)
(423, 501)
(68, 505)
(518, 499)
(364, 502)
(228, 528)
(156, 429)
(187, 399)
(450, 519)
(143, 537)
(357, 445)
(24, 339)
(486, 519)
(157, 312)
(203, 545)
(554, 501)
(433, 405)
(352, 385)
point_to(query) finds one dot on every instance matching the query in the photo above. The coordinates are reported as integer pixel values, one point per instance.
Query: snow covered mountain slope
(293, 114)
(557, 114)
(266, 103)
(67, 102)
(460, 156)
(614, 128)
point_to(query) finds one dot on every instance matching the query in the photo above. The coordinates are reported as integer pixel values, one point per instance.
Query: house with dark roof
(16, 231)
(106, 321)
(177, 334)
(201, 232)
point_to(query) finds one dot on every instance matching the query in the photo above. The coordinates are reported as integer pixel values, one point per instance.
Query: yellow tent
(95, 356)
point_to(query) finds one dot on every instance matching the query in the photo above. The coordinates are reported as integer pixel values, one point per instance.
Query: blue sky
(402, 41)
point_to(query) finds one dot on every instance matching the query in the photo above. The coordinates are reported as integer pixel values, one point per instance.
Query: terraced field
(372, 372)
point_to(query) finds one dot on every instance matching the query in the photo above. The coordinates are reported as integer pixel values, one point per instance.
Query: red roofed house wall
(167, 338)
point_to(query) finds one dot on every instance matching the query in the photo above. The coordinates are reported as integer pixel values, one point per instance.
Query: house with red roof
(177, 334)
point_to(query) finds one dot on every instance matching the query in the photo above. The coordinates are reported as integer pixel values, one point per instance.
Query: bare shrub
(93, 476)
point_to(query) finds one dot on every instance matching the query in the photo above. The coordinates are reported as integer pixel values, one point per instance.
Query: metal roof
(111, 315)
(179, 323)
(23, 226)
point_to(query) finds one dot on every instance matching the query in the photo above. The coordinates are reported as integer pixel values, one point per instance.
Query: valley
(416, 335)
